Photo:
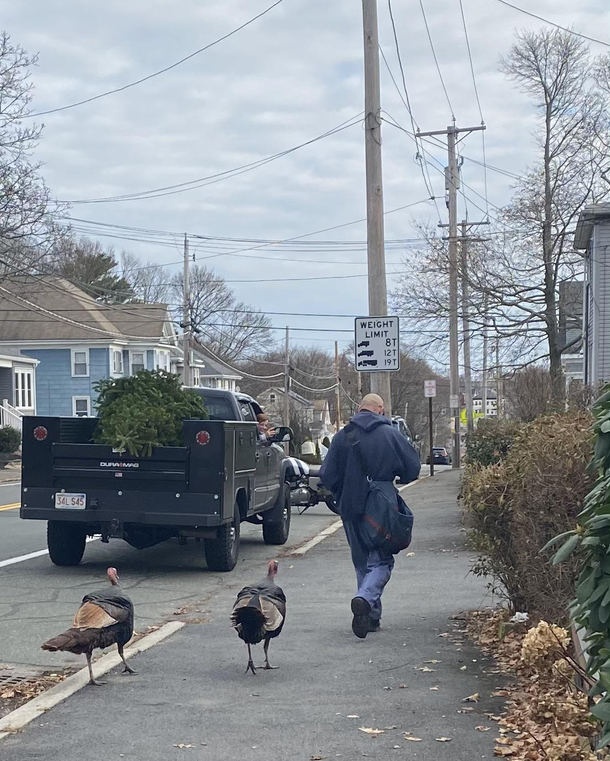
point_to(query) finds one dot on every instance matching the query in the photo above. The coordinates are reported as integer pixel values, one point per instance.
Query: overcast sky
(290, 76)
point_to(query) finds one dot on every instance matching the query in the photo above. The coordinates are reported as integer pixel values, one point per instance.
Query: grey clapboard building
(592, 236)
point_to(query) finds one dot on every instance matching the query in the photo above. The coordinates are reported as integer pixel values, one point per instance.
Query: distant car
(441, 456)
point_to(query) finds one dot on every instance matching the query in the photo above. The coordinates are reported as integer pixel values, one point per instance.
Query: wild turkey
(103, 619)
(259, 614)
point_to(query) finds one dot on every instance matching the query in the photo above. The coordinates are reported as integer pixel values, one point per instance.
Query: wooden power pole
(452, 183)
(378, 297)
(337, 389)
(186, 317)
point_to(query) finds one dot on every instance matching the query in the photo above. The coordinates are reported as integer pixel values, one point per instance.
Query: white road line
(18, 718)
(37, 554)
(318, 538)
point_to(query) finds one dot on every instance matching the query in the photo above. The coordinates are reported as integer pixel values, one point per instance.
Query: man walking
(386, 454)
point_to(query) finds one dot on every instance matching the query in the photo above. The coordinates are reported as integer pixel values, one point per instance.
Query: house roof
(589, 217)
(208, 367)
(292, 394)
(51, 308)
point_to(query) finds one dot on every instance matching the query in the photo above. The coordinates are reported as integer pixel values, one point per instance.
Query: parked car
(222, 474)
(401, 425)
(441, 456)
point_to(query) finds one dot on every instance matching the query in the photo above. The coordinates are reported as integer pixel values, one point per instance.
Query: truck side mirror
(282, 433)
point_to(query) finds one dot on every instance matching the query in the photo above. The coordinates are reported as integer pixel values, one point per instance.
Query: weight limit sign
(377, 342)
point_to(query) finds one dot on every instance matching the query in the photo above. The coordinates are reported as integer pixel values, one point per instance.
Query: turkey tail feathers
(254, 617)
(72, 641)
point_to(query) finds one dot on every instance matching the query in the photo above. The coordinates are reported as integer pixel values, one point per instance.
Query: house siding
(6, 384)
(55, 385)
(599, 273)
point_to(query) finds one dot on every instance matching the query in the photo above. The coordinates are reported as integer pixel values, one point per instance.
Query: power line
(476, 93)
(438, 68)
(212, 179)
(552, 23)
(156, 73)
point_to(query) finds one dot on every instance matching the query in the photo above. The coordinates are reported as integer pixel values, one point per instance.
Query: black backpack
(387, 523)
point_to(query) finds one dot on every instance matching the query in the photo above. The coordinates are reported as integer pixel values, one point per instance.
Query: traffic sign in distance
(429, 388)
(377, 341)
(454, 402)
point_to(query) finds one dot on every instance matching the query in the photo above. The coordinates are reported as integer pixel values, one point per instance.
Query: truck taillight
(40, 433)
(202, 437)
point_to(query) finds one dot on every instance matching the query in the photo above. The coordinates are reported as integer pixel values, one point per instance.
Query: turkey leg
(92, 679)
(127, 669)
(267, 664)
(250, 666)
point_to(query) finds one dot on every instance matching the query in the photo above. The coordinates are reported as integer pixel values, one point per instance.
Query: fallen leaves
(411, 738)
(183, 746)
(443, 739)
(472, 698)
(425, 669)
(371, 731)
(482, 728)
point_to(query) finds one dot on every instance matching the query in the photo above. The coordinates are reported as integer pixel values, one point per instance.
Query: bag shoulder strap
(351, 435)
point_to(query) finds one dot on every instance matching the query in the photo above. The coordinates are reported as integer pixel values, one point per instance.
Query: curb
(23, 715)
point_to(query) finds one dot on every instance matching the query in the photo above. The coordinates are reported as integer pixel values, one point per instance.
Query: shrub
(144, 411)
(10, 440)
(517, 506)
(490, 441)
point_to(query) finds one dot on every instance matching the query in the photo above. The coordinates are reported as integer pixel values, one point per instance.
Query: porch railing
(10, 415)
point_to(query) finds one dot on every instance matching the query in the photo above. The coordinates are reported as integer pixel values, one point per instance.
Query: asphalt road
(38, 599)
(410, 677)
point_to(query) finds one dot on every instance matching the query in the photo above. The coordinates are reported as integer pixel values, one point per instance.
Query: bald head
(372, 403)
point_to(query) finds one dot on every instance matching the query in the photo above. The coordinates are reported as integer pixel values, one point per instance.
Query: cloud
(288, 77)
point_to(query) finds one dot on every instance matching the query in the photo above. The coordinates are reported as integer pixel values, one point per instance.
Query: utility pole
(498, 380)
(466, 331)
(286, 414)
(452, 183)
(378, 297)
(186, 317)
(485, 357)
(466, 321)
(337, 388)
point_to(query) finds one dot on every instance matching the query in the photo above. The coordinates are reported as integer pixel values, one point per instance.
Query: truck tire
(66, 542)
(221, 553)
(277, 531)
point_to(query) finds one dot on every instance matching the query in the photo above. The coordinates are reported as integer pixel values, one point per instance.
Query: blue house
(76, 341)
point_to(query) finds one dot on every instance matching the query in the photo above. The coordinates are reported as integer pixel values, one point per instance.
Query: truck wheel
(221, 553)
(66, 542)
(277, 532)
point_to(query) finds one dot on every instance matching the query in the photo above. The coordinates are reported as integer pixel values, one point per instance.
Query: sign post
(430, 393)
(377, 343)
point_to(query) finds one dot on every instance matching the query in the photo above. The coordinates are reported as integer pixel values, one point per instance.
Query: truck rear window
(218, 408)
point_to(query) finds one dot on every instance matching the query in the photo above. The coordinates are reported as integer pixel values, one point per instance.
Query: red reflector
(40, 433)
(202, 437)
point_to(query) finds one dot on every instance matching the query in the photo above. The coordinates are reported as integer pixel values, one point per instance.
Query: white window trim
(80, 399)
(85, 351)
(137, 351)
(21, 393)
(113, 373)
(167, 360)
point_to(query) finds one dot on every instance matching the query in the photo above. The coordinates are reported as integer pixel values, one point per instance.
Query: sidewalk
(192, 690)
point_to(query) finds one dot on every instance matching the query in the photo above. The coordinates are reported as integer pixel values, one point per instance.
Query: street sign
(377, 343)
(429, 388)
(454, 402)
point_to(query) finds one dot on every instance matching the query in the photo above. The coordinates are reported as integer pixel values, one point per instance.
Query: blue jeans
(373, 569)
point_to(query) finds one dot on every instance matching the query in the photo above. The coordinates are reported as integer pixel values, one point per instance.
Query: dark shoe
(362, 613)
(374, 625)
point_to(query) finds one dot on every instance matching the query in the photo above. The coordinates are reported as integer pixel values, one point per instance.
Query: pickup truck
(222, 475)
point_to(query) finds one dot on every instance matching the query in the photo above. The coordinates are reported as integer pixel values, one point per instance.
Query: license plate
(71, 501)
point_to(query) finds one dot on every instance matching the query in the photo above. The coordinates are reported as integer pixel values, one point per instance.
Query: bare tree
(148, 281)
(26, 209)
(514, 281)
(528, 393)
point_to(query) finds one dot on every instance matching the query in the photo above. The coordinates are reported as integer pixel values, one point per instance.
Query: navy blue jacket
(386, 452)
